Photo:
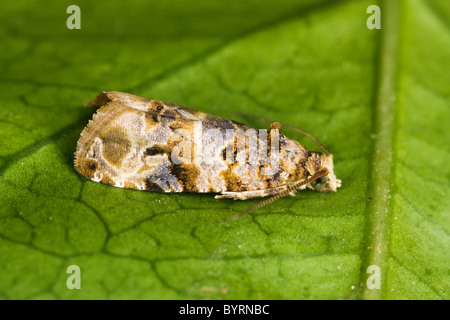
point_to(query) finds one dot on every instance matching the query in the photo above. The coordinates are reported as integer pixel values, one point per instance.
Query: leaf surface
(378, 99)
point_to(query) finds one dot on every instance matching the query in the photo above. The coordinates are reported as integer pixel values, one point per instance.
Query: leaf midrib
(381, 172)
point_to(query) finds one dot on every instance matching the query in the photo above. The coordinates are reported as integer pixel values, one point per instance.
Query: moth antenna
(321, 146)
(295, 186)
(310, 136)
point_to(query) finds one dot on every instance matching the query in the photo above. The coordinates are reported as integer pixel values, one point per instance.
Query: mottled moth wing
(130, 140)
(146, 144)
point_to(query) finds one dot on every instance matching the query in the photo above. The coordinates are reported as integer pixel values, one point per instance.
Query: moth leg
(244, 195)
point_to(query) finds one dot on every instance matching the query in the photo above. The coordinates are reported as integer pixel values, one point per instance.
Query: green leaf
(378, 99)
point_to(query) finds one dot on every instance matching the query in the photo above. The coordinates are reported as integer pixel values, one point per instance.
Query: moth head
(318, 162)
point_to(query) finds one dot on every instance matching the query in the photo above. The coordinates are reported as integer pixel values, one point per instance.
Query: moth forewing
(147, 144)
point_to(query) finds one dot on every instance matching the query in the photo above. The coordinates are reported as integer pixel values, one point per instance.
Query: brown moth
(146, 144)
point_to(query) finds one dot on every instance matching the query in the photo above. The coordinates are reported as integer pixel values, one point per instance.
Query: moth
(147, 144)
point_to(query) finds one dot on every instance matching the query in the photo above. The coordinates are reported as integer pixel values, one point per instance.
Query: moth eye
(320, 183)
